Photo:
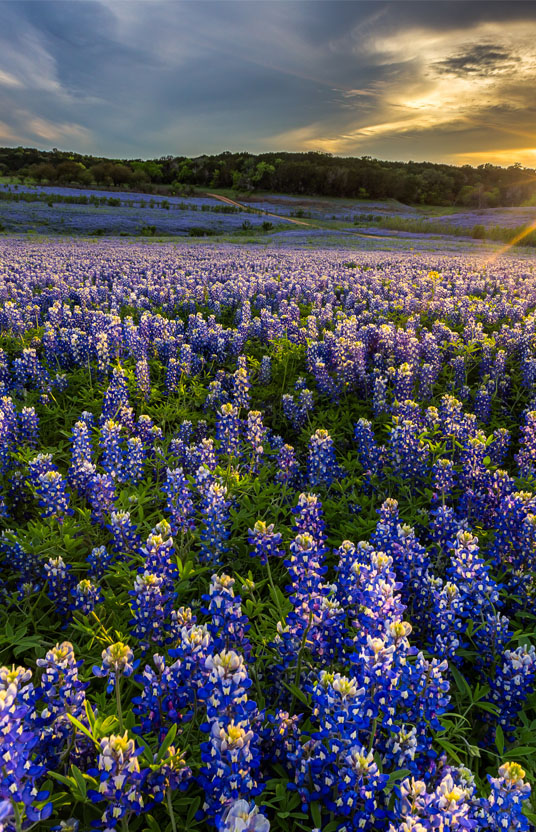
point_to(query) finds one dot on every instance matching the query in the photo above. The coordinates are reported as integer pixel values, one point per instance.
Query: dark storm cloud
(148, 78)
(480, 60)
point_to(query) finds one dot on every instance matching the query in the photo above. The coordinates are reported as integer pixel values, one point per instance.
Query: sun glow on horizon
(525, 156)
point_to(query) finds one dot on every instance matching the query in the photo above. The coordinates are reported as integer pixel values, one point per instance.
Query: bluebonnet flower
(526, 457)
(179, 503)
(472, 457)
(186, 359)
(325, 383)
(280, 736)
(444, 477)
(379, 395)
(39, 465)
(164, 697)
(403, 382)
(226, 623)
(265, 371)
(61, 693)
(228, 430)
(242, 816)
(126, 539)
(231, 756)
(427, 378)
(443, 527)
(117, 661)
(500, 445)
(86, 596)
(120, 780)
(172, 375)
(134, 460)
(322, 467)
(151, 605)
(103, 352)
(483, 401)
(448, 619)
(29, 426)
(53, 497)
(21, 773)
(166, 775)
(214, 523)
(408, 453)
(254, 435)
(309, 517)
(101, 496)
(6, 812)
(205, 454)
(99, 560)
(116, 396)
(264, 541)
(478, 589)
(370, 454)
(60, 583)
(158, 552)
(143, 378)
(287, 465)
(514, 538)
(511, 683)
(241, 387)
(503, 810)
(27, 565)
(112, 452)
(81, 453)
(297, 411)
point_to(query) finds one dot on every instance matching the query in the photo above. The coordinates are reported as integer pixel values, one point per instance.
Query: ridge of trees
(311, 173)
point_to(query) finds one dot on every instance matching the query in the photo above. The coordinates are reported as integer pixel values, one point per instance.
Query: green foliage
(315, 173)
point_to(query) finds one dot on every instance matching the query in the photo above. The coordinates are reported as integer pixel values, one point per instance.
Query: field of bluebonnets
(269, 533)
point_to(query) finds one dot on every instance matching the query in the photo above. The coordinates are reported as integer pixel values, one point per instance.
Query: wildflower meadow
(268, 538)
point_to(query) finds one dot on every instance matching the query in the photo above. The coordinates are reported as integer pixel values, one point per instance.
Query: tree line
(312, 174)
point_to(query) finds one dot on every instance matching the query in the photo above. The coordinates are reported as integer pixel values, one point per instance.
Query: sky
(449, 81)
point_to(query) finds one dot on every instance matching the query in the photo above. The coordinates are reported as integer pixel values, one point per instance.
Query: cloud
(43, 129)
(8, 80)
(482, 59)
(6, 133)
(392, 79)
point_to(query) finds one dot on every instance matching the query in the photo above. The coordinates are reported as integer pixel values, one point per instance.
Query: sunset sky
(439, 81)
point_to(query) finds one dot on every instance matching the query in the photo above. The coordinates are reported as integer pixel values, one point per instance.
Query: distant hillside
(485, 186)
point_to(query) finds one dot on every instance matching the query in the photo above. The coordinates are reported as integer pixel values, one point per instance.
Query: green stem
(373, 733)
(18, 816)
(118, 701)
(170, 810)
(276, 596)
(300, 661)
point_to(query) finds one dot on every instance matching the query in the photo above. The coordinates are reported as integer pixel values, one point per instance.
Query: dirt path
(258, 210)
(229, 201)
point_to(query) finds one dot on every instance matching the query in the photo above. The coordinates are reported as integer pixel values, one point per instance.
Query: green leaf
(316, 814)
(461, 683)
(67, 781)
(399, 774)
(520, 751)
(298, 693)
(194, 806)
(80, 781)
(450, 749)
(82, 728)
(90, 714)
(153, 825)
(499, 739)
(166, 742)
